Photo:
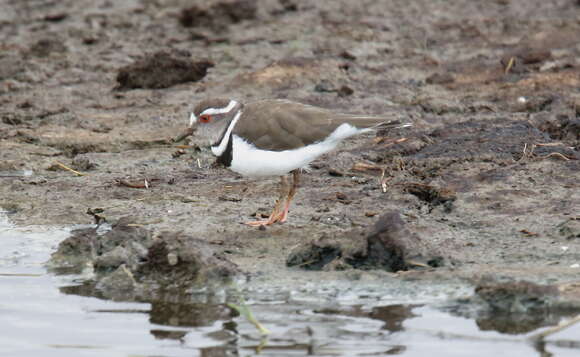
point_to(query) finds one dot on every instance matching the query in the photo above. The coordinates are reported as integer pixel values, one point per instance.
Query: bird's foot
(274, 218)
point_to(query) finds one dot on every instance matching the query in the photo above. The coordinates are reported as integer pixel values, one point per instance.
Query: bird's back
(279, 125)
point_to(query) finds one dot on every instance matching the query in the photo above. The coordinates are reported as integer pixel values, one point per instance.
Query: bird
(274, 137)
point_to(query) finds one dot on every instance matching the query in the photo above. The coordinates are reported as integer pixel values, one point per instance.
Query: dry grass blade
(63, 166)
(509, 65)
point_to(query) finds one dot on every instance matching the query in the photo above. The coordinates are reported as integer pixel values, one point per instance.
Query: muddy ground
(489, 174)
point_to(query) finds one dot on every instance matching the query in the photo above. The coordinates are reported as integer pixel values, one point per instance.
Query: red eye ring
(206, 118)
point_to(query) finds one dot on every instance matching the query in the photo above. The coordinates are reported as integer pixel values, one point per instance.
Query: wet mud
(486, 183)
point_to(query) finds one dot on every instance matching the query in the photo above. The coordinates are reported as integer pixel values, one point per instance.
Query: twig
(549, 144)
(361, 166)
(555, 154)
(125, 183)
(382, 139)
(60, 164)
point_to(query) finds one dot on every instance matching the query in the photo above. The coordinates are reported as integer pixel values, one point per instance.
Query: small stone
(172, 259)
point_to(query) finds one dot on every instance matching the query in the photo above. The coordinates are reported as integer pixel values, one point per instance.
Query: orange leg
(277, 213)
(291, 193)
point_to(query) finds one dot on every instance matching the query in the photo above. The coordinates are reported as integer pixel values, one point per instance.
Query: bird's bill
(187, 132)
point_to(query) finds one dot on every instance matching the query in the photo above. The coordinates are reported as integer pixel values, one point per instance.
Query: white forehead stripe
(213, 111)
(192, 119)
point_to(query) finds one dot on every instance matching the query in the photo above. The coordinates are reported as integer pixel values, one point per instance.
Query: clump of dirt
(517, 297)
(162, 69)
(432, 194)
(129, 257)
(517, 307)
(389, 246)
(219, 15)
(177, 260)
(47, 46)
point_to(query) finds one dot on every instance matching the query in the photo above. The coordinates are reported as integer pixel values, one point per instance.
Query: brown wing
(283, 125)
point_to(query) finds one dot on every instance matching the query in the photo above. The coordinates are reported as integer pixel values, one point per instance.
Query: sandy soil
(491, 88)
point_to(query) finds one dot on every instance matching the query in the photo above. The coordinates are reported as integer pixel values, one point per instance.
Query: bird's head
(211, 117)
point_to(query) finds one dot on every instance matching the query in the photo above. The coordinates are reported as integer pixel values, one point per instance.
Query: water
(45, 315)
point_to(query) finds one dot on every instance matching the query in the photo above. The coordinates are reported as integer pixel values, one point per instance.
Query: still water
(47, 315)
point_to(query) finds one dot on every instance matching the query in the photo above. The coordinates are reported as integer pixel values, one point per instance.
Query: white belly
(247, 160)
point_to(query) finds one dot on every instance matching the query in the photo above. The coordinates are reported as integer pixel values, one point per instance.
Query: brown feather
(279, 125)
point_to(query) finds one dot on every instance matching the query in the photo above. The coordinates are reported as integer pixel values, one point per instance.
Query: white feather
(248, 160)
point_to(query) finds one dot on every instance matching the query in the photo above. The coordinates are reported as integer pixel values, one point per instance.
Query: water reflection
(517, 324)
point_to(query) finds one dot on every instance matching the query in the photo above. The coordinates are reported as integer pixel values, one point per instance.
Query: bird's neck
(226, 137)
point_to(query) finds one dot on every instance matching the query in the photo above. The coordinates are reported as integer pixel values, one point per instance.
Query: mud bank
(487, 179)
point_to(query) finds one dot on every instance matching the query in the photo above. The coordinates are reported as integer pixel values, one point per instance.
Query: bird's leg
(291, 193)
(277, 213)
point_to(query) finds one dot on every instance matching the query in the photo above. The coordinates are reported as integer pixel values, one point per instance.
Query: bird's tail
(371, 122)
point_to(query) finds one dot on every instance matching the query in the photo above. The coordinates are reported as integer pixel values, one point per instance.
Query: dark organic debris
(431, 194)
(45, 47)
(345, 91)
(161, 70)
(219, 15)
(83, 163)
(524, 59)
(559, 127)
(58, 17)
(440, 78)
(289, 5)
(389, 245)
(326, 86)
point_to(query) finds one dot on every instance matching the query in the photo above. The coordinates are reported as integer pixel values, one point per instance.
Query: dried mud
(489, 173)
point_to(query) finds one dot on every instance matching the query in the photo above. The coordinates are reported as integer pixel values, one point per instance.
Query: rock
(162, 69)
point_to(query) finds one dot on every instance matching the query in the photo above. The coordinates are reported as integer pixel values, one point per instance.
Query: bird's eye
(206, 118)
